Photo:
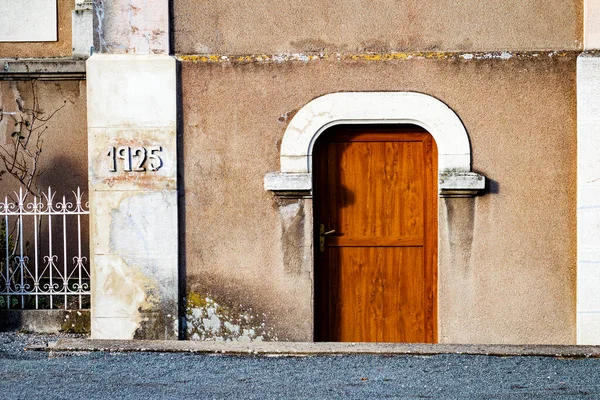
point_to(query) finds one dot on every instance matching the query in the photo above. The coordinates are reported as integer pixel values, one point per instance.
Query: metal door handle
(322, 235)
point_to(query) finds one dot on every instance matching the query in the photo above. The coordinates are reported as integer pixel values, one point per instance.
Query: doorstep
(310, 348)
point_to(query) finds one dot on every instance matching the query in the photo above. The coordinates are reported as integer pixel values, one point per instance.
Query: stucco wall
(507, 264)
(60, 48)
(64, 156)
(281, 26)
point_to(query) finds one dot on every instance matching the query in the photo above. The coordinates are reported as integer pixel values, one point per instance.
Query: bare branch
(20, 157)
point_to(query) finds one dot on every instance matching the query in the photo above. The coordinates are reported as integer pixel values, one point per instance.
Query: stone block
(133, 26)
(294, 164)
(591, 25)
(113, 328)
(454, 162)
(134, 223)
(588, 85)
(298, 184)
(460, 184)
(588, 274)
(82, 22)
(588, 328)
(133, 158)
(131, 90)
(125, 287)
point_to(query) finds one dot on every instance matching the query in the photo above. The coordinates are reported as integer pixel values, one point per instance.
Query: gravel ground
(104, 375)
(17, 345)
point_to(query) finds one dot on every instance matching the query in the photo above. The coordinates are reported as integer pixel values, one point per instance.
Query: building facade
(264, 171)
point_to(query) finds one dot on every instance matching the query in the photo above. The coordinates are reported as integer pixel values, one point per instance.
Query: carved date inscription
(135, 159)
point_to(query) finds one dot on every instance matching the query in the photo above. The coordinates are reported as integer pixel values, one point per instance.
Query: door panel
(375, 280)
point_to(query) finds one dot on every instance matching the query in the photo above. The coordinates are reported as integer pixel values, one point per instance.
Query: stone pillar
(132, 114)
(82, 32)
(591, 29)
(588, 180)
(588, 199)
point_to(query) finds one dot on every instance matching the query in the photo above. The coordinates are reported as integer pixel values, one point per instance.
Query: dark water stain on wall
(459, 217)
(292, 217)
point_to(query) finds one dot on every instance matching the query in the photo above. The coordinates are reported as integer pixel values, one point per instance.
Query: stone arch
(454, 149)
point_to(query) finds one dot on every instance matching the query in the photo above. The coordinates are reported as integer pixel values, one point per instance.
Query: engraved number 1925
(135, 159)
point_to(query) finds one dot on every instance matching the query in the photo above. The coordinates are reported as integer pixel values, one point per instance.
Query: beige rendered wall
(64, 156)
(284, 26)
(507, 258)
(60, 48)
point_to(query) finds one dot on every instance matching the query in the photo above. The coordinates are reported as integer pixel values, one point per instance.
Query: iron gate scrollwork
(43, 252)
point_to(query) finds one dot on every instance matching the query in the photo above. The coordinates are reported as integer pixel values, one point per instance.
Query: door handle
(322, 235)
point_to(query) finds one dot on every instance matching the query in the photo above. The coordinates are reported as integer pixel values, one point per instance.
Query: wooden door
(376, 275)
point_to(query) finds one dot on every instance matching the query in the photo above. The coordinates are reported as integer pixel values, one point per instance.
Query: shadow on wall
(64, 175)
(10, 321)
(492, 186)
(68, 241)
(181, 206)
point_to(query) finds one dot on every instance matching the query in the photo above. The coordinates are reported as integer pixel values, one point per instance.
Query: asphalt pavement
(28, 371)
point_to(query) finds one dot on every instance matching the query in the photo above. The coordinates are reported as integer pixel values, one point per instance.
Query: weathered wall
(64, 156)
(282, 26)
(60, 48)
(131, 26)
(506, 267)
(62, 166)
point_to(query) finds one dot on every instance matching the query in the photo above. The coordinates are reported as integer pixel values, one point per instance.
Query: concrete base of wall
(322, 348)
(45, 321)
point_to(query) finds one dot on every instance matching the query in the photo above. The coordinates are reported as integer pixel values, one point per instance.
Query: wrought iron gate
(43, 252)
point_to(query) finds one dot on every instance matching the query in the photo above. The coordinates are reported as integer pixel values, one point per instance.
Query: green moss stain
(76, 322)
(371, 57)
(208, 320)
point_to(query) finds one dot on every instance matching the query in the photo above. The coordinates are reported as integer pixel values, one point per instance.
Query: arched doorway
(375, 241)
(295, 178)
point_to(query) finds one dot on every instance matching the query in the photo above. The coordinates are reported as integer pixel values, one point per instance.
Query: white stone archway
(454, 150)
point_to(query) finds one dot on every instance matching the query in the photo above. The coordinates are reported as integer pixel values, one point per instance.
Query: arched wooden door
(375, 202)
